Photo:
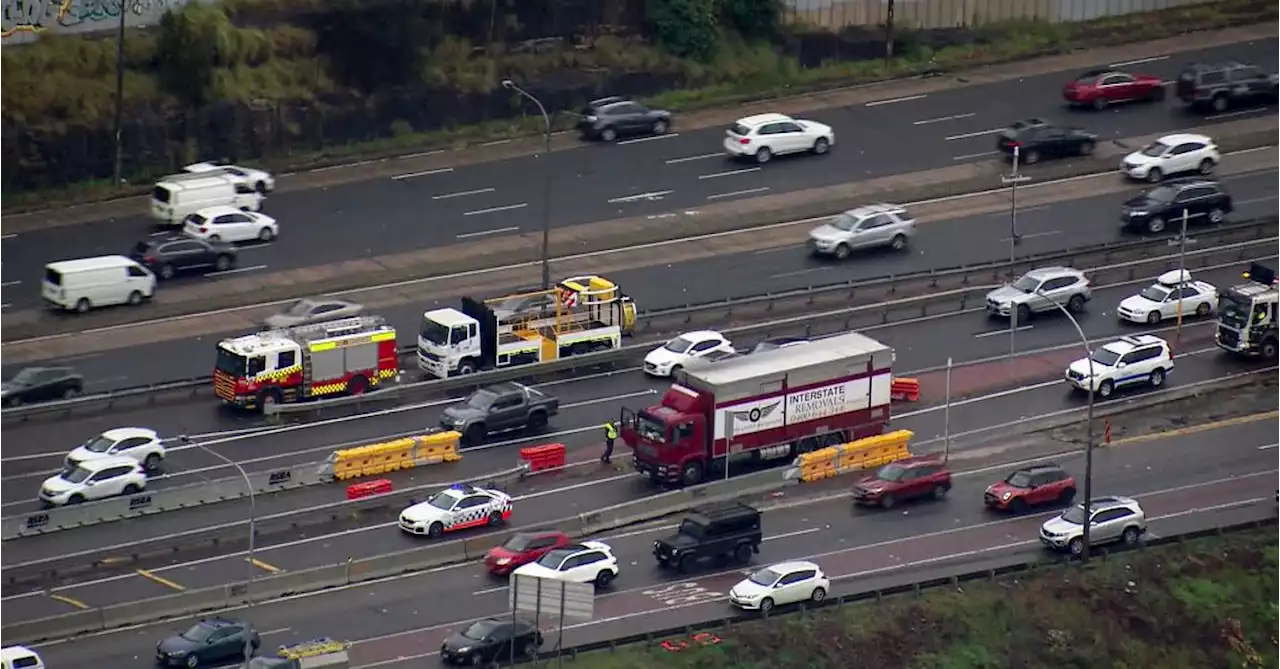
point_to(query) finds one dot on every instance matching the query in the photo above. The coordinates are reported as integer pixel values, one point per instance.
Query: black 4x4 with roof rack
(710, 532)
(1225, 84)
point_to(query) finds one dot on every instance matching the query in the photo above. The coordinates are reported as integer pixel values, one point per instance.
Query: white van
(81, 285)
(178, 195)
(19, 657)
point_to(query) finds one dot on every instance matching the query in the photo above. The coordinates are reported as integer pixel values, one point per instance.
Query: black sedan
(209, 641)
(168, 256)
(41, 384)
(491, 640)
(1036, 139)
(608, 119)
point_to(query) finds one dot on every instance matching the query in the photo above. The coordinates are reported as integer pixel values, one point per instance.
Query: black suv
(712, 532)
(1035, 139)
(1203, 200)
(1222, 85)
(610, 118)
(168, 256)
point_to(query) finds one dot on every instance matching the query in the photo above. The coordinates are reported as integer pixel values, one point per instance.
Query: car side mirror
(1120, 365)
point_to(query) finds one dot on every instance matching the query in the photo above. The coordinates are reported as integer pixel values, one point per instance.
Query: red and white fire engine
(294, 364)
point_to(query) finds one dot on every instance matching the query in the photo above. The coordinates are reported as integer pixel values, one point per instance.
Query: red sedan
(1100, 88)
(522, 548)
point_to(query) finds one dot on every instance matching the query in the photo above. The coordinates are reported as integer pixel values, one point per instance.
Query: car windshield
(480, 631)
(433, 332)
(1106, 357)
(1019, 480)
(1088, 77)
(77, 475)
(891, 473)
(844, 222)
(1074, 515)
(99, 445)
(25, 377)
(678, 345)
(300, 308)
(481, 399)
(1027, 284)
(518, 543)
(199, 632)
(1155, 150)
(1155, 293)
(1161, 194)
(442, 500)
(765, 577)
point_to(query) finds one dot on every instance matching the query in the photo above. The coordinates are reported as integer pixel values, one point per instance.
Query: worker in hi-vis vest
(610, 433)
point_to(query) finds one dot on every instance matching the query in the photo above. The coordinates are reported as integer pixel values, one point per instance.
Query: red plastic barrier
(547, 456)
(905, 389)
(368, 488)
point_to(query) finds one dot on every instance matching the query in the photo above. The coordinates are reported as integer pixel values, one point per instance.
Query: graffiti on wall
(28, 17)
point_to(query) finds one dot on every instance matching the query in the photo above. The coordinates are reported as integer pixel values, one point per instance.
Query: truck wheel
(692, 473)
(686, 564)
(475, 434)
(357, 385)
(268, 398)
(742, 553)
(537, 421)
(1269, 349)
(466, 367)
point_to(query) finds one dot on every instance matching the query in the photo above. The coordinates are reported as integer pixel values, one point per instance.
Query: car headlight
(464, 650)
(1005, 497)
(504, 561)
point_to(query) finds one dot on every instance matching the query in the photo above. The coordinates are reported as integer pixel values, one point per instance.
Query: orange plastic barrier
(547, 456)
(368, 488)
(905, 389)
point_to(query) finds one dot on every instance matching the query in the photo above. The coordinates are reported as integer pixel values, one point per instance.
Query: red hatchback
(1031, 486)
(1100, 88)
(522, 548)
(913, 478)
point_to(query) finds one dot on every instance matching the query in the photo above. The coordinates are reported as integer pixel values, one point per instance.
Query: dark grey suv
(1222, 85)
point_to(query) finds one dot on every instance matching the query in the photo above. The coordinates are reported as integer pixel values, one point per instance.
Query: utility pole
(548, 175)
(1182, 277)
(888, 32)
(1012, 182)
(946, 418)
(119, 159)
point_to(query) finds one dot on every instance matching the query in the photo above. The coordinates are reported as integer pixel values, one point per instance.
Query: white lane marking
(993, 333)
(238, 270)
(943, 119)
(278, 630)
(426, 173)
(892, 101)
(647, 139)
(6, 284)
(1005, 213)
(967, 135)
(704, 156)
(6, 305)
(160, 233)
(970, 156)
(1138, 61)
(730, 173)
(420, 154)
(1267, 447)
(8, 237)
(1031, 235)
(651, 195)
(1242, 112)
(491, 210)
(736, 193)
(486, 233)
(799, 272)
(497, 142)
(464, 193)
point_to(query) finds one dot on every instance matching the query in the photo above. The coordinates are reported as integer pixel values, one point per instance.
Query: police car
(457, 508)
(1172, 290)
(1139, 359)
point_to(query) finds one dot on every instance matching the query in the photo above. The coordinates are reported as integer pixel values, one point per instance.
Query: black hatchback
(169, 256)
(607, 119)
(492, 641)
(1201, 201)
(1035, 139)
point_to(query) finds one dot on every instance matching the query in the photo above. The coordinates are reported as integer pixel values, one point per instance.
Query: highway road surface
(1194, 477)
(680, 171)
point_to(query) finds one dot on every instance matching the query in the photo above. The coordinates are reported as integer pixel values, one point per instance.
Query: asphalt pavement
(681, 170)
(1219, 475)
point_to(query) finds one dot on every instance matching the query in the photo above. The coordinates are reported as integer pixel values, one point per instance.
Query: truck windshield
(651, 430)
(434, 332)
(230, 363)
(1233, 309)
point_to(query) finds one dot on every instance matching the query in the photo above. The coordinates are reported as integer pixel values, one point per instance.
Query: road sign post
(564, 599)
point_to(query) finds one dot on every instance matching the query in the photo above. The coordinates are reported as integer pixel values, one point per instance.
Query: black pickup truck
(1222, 85)
(713, 532)
(504, 407)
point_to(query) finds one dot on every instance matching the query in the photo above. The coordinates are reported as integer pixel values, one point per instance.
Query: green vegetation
(293, 83)
(1208, 603)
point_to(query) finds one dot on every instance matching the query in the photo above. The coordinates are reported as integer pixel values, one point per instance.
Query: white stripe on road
(1138, 61)
(647, 139)
(736, 193)
(652, 195)
(704, 156)
(892, 101)
(427, 173)
(730, 173)
(943, 119)
(486, 233)
(967, 135)
(491, 210)
(464, 193)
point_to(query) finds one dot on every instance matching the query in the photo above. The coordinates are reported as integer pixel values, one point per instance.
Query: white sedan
(456, 508)
(1161, 299)
(764, 136)
(136, 443)
(259, 180)
(586, 562)
(1172, 154)
(674, 355)
(785, 583)
(229, 224)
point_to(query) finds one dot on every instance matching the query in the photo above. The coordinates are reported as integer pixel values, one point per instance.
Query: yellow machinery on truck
(322, 653)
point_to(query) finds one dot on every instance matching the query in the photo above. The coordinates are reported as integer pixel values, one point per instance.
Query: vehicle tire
(131, 489)
(1156, 94)
(604, 578)
(1067, 496)
(75, 499)
(887, 502)
(1155, 176)
(476, 659)
(1157, 378)
(843, 251)
(1268, 349)
(766, 605)
(1076, 546)
(261, 187)
(266, 235)
(763, 155)
(152, 462)
(357, 385)
(435, 530)
(83, 305)
(13, 402)
(466, 367)
(1031, 157)
(1106, 388)
(222, 263)
(167, 271)
(821, 146)
(1217, 216)
(1018, 505)
(608, 135)
(660, 127)
(1099, 103)
(192, 661)
(1076, 304)
(899, 242)
(268, 398)
(70, 393)
(495, 519)
(475, 434)
(215, 238)
(135, 298)
(537, 421)
(675, 369)
(1153, 318)
(1204, 309)
(685, 565)
(1155, 225)
(817, 595)
(692, 473)
(742, 553)
(1024, 314)
(1206, 167)
(940, 492)
(1220, 103)
(1131, 536)
(1086, 148)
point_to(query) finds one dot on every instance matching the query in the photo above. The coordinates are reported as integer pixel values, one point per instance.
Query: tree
(752, 18)
(187, 51)
(376, 45)
(686, 28)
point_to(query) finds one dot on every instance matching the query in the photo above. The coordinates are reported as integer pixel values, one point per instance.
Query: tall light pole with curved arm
(546, 202)
(1088, 445)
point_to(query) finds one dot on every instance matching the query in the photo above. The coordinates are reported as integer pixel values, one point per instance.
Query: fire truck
(579, 315)
(1247, 314)
(765, 406)
(350, 355)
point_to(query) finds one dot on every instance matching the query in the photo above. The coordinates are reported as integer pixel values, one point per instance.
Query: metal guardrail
(853, 290)
(382, 566)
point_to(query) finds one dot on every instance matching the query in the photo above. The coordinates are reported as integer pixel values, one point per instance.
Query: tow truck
(581, 314)
(771, 405)
(323, 652)
(1247, 314)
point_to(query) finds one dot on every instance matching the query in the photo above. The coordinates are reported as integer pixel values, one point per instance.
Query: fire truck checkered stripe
(277, 374)
(387, 373)
(328, 388)
(478, 513)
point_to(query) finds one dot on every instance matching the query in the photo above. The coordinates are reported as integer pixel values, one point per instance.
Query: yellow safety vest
(610, 432)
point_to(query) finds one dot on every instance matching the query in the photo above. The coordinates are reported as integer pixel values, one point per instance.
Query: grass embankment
(1208, 604)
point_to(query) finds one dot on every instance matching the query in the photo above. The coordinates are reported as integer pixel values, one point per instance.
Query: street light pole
(1088, 422)
(546, 197)
(1182, 273)
(253, 517)
(115, 172)
(1012, 182)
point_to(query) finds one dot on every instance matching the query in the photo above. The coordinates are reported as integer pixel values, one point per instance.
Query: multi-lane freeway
(1192, 478)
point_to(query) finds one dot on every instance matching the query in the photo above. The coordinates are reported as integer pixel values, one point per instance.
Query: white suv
(1126, 361)
(764, 136)
(1113, 519)
(94, 479)
(586, 562)
(137, 443)
(1172, 154)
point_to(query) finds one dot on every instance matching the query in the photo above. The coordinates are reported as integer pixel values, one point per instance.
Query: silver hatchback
(871, 226)
(1114, 519)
